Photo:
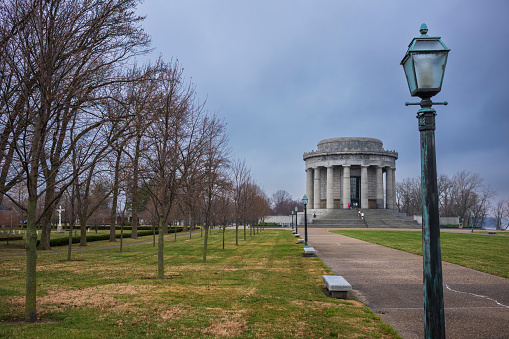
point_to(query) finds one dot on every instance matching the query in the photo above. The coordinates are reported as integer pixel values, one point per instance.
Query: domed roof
(350, 144)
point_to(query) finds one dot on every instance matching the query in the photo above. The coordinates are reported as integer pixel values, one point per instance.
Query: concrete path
(389, 282)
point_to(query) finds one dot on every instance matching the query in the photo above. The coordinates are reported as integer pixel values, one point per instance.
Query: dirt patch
(257, 276)
(251, 292)
(231, 324)
(97, 297)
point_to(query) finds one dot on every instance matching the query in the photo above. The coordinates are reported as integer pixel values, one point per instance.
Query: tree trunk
(135, 193)
(236, 234)
(205, 240)
(46, 220)
(121, 236)
(31, 268)
(69, 248)
(44, 244)
(83, 235)
(160, 249)
(114, 202)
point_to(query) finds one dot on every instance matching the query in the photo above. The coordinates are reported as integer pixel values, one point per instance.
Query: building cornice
(313, 154)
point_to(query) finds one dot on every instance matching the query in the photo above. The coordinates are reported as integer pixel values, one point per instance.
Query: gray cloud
(287, 74)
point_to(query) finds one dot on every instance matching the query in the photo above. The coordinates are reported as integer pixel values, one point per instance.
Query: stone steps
(340, 218)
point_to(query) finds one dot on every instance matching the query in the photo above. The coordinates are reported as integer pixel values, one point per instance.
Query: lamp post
(424, 65)
(292, 220)
(305, 202)
(472, 220)
(296, 209)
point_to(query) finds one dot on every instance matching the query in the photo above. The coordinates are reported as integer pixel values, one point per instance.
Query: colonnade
(370, 197)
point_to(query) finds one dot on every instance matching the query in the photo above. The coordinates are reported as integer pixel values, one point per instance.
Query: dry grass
(228, 324)
(246, 291)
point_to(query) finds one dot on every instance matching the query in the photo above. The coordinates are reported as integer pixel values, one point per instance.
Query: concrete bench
(337, 286)
(300, 241)
(297, 235)
(309, 252)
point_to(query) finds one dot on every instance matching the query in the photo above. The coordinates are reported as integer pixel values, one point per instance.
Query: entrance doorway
(355, 190)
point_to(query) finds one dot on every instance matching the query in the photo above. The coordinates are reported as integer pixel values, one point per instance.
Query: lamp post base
(309, 251)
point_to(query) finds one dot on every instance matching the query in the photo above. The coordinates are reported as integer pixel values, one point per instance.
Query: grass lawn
(263, 288)
(484, 253)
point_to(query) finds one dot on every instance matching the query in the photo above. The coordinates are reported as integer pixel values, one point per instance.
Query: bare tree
(408, 196)
(215, 162)
(282, 203)
(464, 195)
(261, 205)
(61, 53)
(173, 144)
(469, 195)
(138, 102)
(500, 212)
(240, 177)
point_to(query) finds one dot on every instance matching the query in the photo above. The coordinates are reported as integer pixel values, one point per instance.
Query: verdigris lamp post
(424, 65)
(292, 220)
(296, 210)
(305, 202)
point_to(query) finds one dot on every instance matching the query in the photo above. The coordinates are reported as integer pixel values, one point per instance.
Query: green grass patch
(484, 253)
(262, 288)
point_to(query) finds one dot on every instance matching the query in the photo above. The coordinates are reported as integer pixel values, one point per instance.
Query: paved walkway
(389, 282)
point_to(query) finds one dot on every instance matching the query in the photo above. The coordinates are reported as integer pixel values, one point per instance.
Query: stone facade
(351, 170)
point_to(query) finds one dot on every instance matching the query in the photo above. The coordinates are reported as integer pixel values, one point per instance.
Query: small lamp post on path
(424, 65)
(305, 202)
(292, 220)
(296, 209)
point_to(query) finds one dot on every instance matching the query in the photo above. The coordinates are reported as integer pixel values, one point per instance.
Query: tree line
(83, 125)
(463, 195)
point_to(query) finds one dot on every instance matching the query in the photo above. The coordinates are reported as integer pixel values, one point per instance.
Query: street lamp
(292, 220)
(296, 209)
(472, 220)
(424, 65)
(305, 202)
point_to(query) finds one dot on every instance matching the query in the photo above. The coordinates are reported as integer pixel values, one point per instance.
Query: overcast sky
(286, 74)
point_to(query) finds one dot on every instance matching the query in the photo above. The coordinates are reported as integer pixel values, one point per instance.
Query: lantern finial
(424, 29)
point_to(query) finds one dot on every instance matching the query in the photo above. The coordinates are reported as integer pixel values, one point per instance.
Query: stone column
(364, 186)
(389, 189)
(316, 184)
(309, 185)
(379, 187)
(330, 187)
(345, 200)
(394, 188)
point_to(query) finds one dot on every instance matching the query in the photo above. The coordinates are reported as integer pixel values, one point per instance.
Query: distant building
(8, 217)
(346, 171)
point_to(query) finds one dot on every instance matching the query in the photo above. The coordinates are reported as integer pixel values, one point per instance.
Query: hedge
(98, 237)
(267, 224)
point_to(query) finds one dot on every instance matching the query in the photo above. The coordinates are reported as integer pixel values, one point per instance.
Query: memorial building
(345, 171)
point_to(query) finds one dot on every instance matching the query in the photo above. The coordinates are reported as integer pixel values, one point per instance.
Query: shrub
(95, 237)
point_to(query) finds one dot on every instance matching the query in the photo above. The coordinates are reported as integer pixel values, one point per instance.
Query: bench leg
(339, 294)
